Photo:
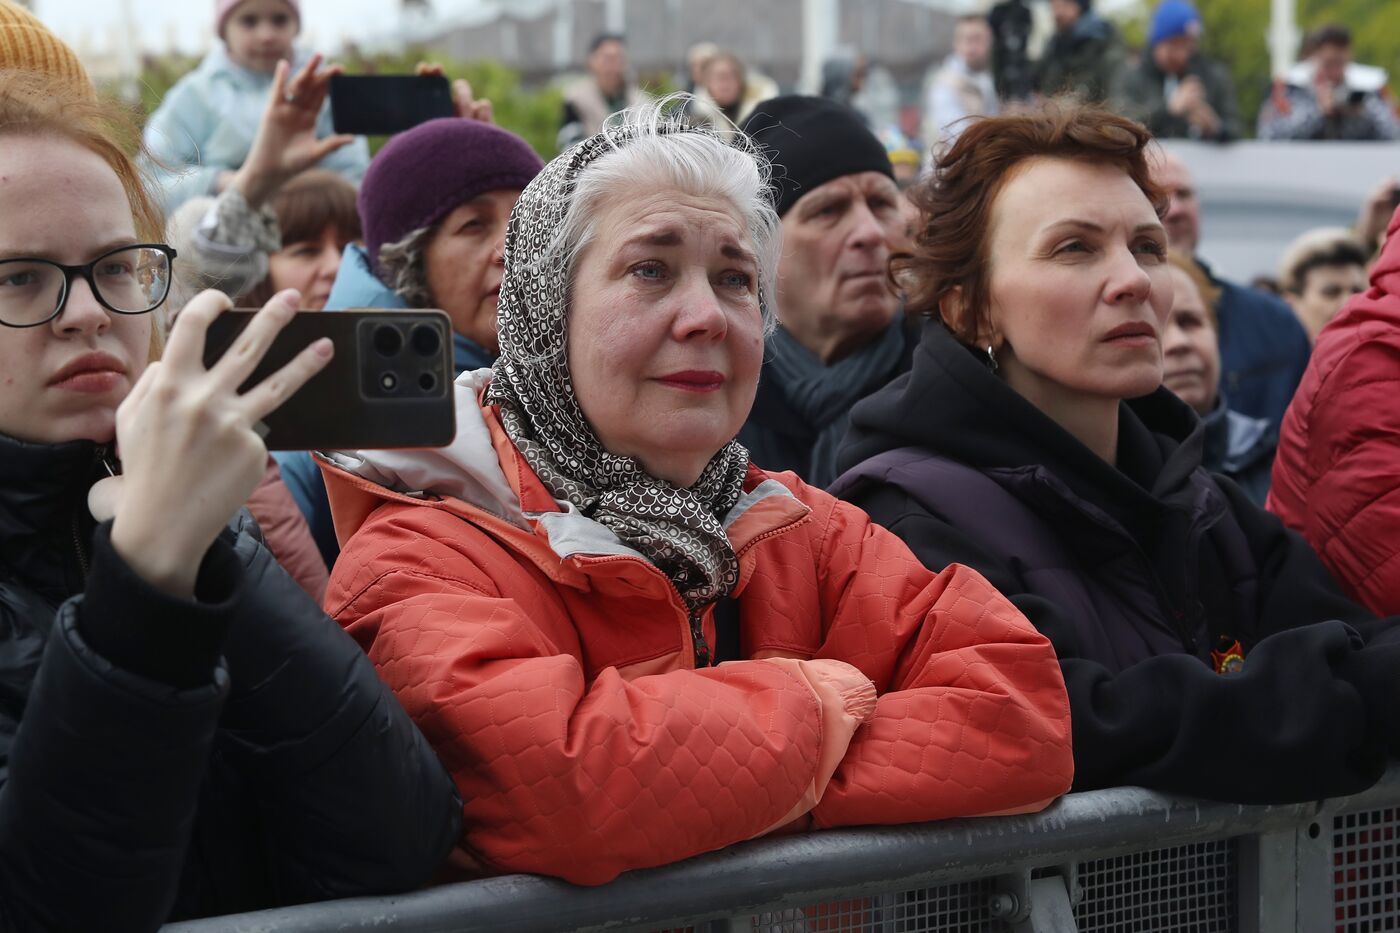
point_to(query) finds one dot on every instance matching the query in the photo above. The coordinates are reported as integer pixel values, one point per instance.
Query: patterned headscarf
(678, 530)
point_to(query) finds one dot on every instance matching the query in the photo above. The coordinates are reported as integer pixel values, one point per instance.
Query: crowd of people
(789, 490)
(1169, 86)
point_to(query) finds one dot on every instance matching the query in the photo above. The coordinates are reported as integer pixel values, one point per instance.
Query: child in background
(205, 126)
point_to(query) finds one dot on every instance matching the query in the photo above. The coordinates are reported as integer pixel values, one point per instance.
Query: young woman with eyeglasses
(182, 731)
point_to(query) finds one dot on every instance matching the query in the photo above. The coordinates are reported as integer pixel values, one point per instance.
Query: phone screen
(379, 105)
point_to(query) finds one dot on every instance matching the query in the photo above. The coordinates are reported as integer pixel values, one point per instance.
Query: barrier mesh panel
(1190, 887)
(951, 908)
(1366, 870)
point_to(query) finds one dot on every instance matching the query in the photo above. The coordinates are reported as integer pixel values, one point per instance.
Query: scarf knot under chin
(679, 530)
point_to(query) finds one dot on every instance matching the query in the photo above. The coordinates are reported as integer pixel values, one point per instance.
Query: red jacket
(552, 667)
(286, 534)
(1337, 474)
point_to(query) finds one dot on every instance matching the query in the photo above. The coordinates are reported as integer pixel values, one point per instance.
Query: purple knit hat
(424, 174)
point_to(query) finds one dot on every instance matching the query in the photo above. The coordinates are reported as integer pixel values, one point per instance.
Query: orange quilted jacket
(552, 668)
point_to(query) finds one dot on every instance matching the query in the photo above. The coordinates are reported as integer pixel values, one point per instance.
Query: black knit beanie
(810, 141)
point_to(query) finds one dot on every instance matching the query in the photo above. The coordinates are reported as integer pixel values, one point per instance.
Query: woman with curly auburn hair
(1205, 649)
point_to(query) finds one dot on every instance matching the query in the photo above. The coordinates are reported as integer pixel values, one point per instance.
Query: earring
(991, 359)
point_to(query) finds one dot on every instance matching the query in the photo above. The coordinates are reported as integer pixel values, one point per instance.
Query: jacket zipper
(700, 646)
(76, 525)
(78, 548)
(697, 637)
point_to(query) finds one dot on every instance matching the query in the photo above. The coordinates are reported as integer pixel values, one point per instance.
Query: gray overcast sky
(190, 22)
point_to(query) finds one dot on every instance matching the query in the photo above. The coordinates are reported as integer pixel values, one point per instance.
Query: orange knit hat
(26, 44)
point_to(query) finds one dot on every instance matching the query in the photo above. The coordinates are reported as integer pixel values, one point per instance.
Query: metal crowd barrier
(1124, 859)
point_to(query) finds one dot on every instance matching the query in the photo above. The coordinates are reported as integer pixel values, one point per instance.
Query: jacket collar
(483, 478)
(951, 404)
(356, 285)
(42, 486)
(1232, 442)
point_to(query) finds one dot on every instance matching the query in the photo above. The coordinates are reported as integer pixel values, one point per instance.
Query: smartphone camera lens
(387, 340)
(388, 382)
(425, 340)
(427, 382)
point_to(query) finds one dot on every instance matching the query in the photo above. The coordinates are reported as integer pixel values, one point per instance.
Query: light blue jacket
(206, 124)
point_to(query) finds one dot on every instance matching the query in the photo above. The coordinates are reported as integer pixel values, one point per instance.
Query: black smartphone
(388, 385)
(378, 105)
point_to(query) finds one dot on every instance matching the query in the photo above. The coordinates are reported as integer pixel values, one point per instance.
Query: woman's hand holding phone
(189, 442)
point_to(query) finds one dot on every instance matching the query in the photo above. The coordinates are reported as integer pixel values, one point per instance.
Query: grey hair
(403, 269)
(653, 151)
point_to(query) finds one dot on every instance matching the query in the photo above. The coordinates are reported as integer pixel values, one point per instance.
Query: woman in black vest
(1205, 649)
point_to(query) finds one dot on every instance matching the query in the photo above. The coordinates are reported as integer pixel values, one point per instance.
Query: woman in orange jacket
(628, 644)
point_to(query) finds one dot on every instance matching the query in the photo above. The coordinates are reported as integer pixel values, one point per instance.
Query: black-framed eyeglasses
(127, 280)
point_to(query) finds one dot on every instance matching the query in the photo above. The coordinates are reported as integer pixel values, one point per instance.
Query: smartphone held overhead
(380, 105)
(389, 384)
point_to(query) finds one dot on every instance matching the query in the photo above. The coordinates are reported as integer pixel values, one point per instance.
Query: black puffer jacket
(1135, 573)
(164, 758)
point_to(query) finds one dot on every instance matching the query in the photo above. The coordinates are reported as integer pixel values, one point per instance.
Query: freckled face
(63, 380)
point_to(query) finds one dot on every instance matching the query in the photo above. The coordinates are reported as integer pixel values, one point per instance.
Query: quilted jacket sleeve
(565, 777)
(1343, 471)
(103, 773)
(354, 798)
(972, 716)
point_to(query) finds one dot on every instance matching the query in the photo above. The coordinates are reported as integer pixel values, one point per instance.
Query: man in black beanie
(1085, 54)
(841, 330)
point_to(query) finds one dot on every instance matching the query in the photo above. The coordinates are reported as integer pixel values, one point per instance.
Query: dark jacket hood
(951, 404)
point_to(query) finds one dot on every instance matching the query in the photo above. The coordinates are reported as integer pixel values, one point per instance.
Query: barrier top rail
(790, 871)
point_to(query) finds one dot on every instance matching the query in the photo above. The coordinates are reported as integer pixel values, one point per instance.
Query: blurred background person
(843, 75)
(1328, 96)
(963, 87)
(1375, 212)
(279, 223)
(840, 333)
(1085, 54)
(606, 89)
(696, 57)
(1175, 91)
(904, 157)
(728, 94)
(1337, 476)
(1233, 444)
(1263, 348)
(205, 126)
(1012, 24)
(1319, 272)
(433, 207)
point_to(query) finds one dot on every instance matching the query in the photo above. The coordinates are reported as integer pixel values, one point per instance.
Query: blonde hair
(33, 104)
